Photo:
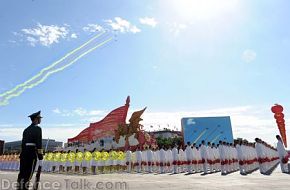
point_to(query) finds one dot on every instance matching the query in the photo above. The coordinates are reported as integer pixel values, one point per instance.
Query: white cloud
(12, 41)
(122, 25)
(176, 28)
(56, 111)
(45, 35)
(32, 41)
(74, 35)
(92, 119)
(11, 134)
(148, 21)
(6, 125)
(92, 28)
(64, 113)
(134, 29)
(96, 112)
(78, 112)
(249, 55)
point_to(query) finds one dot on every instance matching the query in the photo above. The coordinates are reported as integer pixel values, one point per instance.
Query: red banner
(104, 128)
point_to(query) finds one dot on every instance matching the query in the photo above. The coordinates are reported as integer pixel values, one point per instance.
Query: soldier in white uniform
(194, 161)
(241, 157)
(216, 158)
(199, 160)
(234, 157)
(175, 159)
(144, 161)
(182, 158)
(150, 159)
(222, 153)
(283, 155)
(138, 159)
(204, 156)
(129, 160)
(156, 153)
(261, 155)
(169, 160)
(210, 158)
(189, 157)
(228, 163)
(162, 160)
(272, 157)
(253, 157)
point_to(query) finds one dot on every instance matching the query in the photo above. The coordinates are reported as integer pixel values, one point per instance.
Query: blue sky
(178, 58)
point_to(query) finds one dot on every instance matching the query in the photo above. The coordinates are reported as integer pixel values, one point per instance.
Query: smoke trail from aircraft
(213, 131)
(16, 93)
(215, 138)
(201, 134)
(52, 65)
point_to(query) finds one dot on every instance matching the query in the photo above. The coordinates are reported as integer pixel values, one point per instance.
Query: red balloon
(279, 116)
(277, 108)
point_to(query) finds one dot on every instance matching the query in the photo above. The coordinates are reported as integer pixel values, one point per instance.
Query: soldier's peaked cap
(35, 115)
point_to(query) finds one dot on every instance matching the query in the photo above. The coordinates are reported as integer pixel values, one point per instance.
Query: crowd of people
(206, 158)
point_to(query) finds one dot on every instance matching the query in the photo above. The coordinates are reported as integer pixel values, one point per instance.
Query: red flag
(104, 128)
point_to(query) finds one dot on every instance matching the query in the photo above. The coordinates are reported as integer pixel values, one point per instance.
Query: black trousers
(28, 159)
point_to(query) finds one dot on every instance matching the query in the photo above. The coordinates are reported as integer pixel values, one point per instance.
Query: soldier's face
(37, 120)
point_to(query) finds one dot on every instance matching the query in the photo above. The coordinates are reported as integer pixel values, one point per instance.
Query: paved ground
(234, 181)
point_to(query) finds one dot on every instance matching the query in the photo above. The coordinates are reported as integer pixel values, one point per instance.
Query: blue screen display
(210, 129)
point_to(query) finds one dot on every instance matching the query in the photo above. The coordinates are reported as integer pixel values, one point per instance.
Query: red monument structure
(114, 126)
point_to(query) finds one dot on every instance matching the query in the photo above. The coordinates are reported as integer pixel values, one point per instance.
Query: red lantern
(279, 116)
(277, 108)
(280, 121)
(281, 125)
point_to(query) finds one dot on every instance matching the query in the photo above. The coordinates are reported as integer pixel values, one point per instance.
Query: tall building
(1, 147)
(15, 146)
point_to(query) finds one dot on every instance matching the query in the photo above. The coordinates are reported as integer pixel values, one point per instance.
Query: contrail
(17, 93)
(213, 131)
(215, 138)
(52, 65)
(201, 134)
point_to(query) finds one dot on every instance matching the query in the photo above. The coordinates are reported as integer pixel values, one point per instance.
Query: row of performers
(225, 158)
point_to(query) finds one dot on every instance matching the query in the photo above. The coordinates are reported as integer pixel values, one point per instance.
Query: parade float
(113, 132)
